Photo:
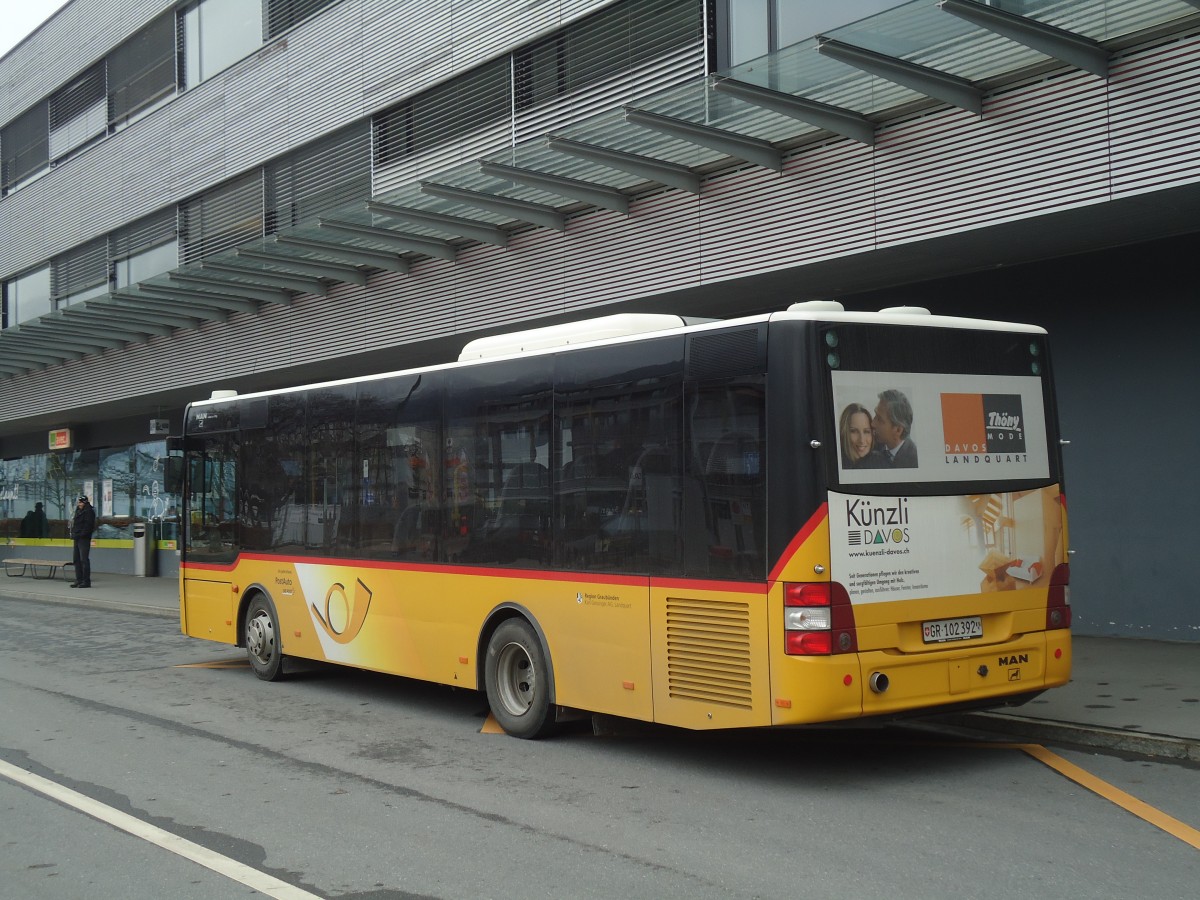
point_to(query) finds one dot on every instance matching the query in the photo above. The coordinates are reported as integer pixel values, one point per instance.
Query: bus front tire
(517, 678)
(263, 646)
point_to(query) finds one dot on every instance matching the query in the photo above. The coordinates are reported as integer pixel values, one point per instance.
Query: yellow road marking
(222, 865)
(1083, 778)
(1113, 794)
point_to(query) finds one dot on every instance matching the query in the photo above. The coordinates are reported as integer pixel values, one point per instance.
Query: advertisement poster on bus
(920, 427)
(907, 548)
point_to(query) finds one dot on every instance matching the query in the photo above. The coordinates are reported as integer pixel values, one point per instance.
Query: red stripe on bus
(801, 536)
(697, 584)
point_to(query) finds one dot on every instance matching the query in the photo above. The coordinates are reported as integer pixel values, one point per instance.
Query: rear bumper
(812, 690)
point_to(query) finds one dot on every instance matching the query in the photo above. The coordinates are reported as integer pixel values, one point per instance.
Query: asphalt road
(346, 784)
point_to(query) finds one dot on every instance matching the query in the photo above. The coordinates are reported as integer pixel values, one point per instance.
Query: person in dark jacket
(83, 525)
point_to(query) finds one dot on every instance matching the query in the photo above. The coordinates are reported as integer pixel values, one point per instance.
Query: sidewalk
(1126, 695)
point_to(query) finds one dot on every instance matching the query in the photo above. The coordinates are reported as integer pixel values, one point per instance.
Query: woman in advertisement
(857, 438)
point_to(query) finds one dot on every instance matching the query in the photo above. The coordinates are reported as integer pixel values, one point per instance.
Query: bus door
(209, 604)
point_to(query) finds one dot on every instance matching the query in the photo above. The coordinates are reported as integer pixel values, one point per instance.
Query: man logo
(343, 620)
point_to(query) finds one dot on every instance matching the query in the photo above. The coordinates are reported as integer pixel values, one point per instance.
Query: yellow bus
(804, 517)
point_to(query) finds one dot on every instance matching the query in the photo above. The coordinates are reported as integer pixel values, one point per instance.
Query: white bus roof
(621, 327)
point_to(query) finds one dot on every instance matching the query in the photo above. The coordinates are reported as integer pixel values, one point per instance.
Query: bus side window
(398, 468)
(726, 435)
(617, 492)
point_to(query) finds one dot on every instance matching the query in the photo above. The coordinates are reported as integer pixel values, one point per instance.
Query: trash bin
(143, 550)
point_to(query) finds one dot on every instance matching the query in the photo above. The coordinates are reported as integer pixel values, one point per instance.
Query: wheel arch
(247, 595)
(493, 620)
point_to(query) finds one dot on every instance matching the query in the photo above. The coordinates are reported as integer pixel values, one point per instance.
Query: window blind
(25, 144)
(221, 218)
(612, 41)
(472, 100)
(143, 234)
(142, 69)
(319, 177)
(284, 14)
(79, 268)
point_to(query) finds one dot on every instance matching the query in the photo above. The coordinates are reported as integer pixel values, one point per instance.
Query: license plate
(939, 631)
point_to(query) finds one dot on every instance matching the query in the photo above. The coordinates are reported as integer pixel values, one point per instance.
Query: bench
(16, 567)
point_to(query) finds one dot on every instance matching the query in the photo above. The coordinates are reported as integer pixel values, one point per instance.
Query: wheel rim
(260, 637)
(516, 679)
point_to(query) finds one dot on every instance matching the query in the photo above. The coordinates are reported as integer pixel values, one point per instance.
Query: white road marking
(222, 865)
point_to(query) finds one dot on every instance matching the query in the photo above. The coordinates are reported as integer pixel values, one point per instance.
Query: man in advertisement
(893, 425)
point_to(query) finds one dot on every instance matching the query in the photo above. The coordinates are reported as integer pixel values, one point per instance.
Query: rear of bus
(926, 568)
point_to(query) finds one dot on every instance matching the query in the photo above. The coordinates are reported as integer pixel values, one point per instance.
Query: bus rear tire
(517, 678)
(263, 645)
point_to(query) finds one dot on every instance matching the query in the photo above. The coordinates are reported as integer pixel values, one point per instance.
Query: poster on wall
(106, 503)
(909, 548)
(89, 491)
(911, 426)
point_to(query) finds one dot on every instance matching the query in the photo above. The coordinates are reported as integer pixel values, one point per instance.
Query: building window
(214, 34)
(144, 264)
(25, 147)
(467, 103)
(27, 297)
(78, 112)
(284, 14)
(222, 218)
(144, 248)
(611, 42)
(141, 72)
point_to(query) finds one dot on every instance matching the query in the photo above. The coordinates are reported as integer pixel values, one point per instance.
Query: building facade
(231, 195)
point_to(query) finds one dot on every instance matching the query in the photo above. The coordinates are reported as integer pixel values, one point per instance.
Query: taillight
(1058, 599)
(818, 619)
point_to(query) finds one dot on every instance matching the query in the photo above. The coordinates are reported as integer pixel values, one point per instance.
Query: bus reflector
(1058, 598)
(818, 619)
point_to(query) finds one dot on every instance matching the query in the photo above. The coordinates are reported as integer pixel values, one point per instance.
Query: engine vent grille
(708, 652)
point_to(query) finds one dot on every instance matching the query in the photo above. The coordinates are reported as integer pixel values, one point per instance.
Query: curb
(96, 603)
(1157, 746)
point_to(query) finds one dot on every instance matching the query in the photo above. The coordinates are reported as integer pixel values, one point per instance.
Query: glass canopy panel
(536, 156)
(613, 131)
(1103, 20)
(801, 71)
(412, 197)
(698, 103)
(923, 33)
